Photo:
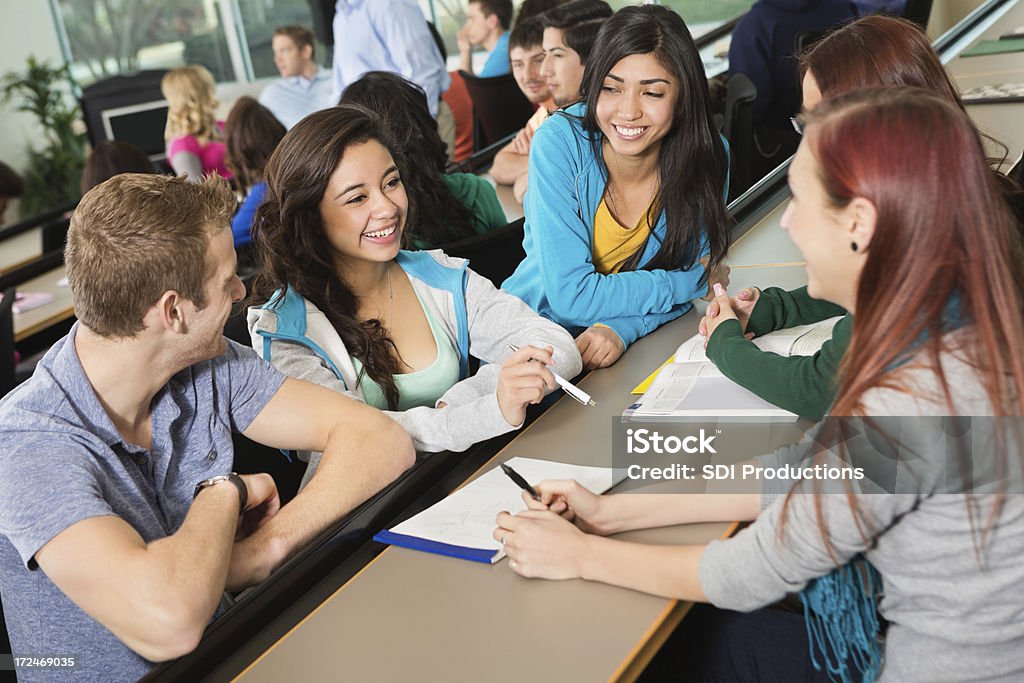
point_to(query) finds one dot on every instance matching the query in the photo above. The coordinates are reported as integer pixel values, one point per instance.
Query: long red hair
(943, 232)
(944, 250)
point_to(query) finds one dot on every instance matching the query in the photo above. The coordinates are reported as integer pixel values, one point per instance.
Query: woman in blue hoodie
(625, 215)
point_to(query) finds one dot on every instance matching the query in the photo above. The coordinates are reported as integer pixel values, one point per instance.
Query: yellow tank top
(613, 244)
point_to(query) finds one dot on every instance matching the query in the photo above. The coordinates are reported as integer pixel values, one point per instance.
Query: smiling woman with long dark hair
(348, 309)
(625, 212)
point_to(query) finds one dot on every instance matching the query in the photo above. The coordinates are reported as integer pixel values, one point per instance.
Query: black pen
(520, 482)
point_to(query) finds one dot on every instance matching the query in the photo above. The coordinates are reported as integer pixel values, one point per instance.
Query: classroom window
(104, 38)
(259, 18)
(702, 16)
(231, 38)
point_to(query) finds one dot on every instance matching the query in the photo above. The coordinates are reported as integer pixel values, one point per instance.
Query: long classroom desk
(38, 319)
(416, 616)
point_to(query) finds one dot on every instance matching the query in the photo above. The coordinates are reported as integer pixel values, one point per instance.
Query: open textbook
(691, 385)
(461, 524)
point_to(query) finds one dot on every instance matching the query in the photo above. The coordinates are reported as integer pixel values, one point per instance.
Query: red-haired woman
(938, 332)
(875, 51)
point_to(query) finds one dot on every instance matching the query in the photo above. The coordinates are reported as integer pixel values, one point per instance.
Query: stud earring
(853, 245)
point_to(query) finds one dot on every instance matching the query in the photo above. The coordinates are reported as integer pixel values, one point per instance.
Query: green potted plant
(54, 168)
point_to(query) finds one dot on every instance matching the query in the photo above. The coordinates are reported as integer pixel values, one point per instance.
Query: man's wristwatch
(243, 491)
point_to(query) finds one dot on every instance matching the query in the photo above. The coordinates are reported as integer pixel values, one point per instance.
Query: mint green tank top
(423, 387)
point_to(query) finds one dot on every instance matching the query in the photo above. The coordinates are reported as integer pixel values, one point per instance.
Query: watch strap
(243, 491)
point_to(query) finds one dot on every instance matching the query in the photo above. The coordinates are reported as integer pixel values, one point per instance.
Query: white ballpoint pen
(569, 388)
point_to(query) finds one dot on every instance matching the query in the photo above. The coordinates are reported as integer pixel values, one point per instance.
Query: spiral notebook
(462, 524)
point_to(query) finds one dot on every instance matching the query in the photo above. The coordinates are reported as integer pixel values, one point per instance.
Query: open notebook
(461, 525)
(691, 385)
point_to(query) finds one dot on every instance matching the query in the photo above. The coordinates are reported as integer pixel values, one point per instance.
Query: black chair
(7, 342)
(55, 235)
(738, 129)
(494, 254)
(499, 107)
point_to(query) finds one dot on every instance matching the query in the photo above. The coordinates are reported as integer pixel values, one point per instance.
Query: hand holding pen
(567, 386)
(521, 382)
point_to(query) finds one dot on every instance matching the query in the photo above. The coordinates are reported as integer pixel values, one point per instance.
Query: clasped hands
(722, 308)
(549, 539)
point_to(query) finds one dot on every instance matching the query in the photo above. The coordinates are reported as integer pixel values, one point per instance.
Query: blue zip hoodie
(557, 278)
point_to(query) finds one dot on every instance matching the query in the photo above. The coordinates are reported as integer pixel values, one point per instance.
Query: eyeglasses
(798, 125)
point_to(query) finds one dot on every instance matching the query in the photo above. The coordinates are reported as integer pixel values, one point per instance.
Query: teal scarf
(842, 622)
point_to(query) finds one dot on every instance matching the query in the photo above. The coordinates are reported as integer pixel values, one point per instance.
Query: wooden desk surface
(408, 614)
(20, 249)
(61, 308)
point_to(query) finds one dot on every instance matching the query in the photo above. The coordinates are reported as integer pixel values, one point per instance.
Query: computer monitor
(140, 124)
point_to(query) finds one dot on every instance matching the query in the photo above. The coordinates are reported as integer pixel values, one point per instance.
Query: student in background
(567, 39)
(349, 310)
(11, 187)
(121, 522)
(625, 216)
(526, 52)
(487, 24)
(252, 133)
(391, 35)
(443, 207)
(870, 52)
(563, 63)
(195, 144)
(936, 334)
(304, 86)
(763, 48)
(112, 157)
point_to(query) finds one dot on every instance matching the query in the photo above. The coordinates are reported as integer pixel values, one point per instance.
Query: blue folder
(486, 556)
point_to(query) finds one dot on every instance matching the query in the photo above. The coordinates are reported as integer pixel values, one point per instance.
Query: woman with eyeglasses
(875, 51)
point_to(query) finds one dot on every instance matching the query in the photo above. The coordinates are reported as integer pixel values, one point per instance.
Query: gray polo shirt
(62, 461)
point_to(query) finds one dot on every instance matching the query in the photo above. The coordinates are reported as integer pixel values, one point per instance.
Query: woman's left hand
(541, 544)
(599, 347)
(718, 310)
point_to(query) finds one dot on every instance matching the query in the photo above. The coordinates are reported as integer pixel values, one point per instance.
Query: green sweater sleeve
(778, 309)
(805, 385)
(479, 196)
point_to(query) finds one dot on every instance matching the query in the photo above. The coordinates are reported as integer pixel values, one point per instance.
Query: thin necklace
(391, 300)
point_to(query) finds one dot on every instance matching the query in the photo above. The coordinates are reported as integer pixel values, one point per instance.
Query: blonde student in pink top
(195, 145)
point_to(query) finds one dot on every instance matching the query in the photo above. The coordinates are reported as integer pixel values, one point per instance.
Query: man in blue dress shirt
(304, 87)
(487, 23)
(391, 35)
